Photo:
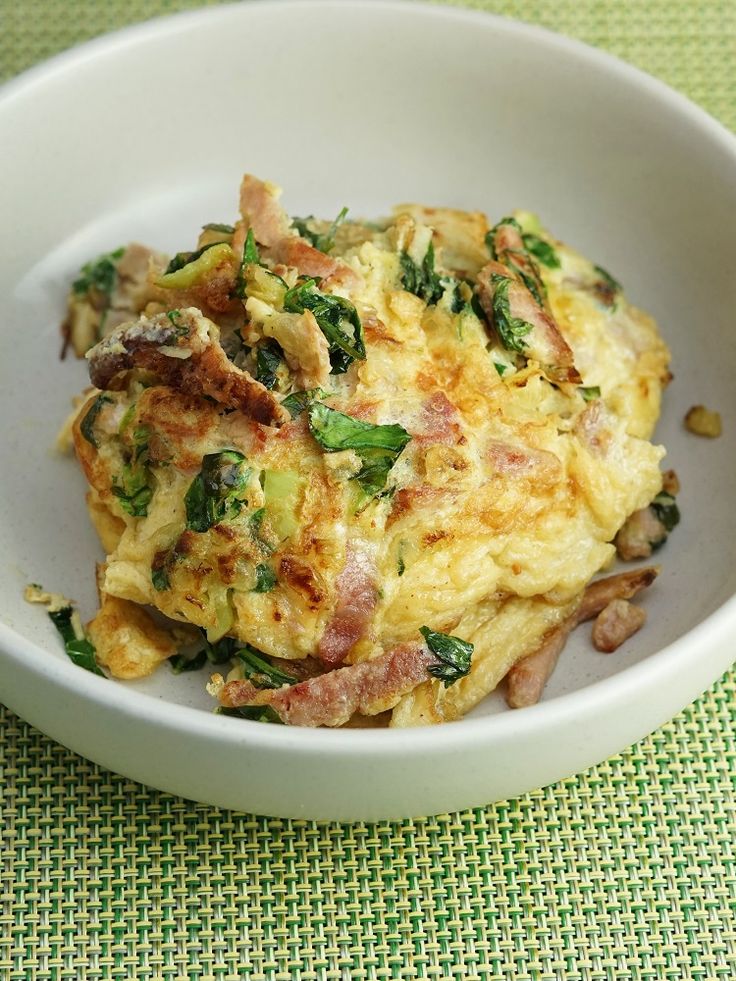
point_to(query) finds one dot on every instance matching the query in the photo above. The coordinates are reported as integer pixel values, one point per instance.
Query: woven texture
(627, 872)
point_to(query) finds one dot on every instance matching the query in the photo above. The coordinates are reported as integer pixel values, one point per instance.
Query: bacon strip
(356, 592)
(332, 698)
(184, 350)
(544, 342)
(527, 678)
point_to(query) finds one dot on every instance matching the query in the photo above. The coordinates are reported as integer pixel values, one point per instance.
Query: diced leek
(224, 616)
(264, 285)
(190, 274)
(282, 490)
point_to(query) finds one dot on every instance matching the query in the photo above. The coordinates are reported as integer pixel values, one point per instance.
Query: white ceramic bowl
(144, 135)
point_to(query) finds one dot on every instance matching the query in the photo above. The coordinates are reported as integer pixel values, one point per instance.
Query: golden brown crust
(127, 641)
(183, 351)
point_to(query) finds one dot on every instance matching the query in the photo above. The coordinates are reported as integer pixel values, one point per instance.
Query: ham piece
(527, 678)
(356, 591)
(332, 698)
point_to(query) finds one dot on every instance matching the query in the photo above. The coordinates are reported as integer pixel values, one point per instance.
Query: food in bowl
(376, 464)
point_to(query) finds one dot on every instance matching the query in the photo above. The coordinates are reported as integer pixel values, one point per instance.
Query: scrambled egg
(500, 393)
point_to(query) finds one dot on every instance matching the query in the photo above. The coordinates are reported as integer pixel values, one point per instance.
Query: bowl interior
(145, 138)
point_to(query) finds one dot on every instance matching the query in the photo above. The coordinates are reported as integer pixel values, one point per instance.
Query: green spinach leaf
(80, 650)
(453, 656)
(215, 494)
(337, 319)
(377, 446)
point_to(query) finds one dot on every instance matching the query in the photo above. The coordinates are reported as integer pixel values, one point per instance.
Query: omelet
(375, 463)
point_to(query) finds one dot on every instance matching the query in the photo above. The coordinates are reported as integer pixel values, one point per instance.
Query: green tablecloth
(627, 872)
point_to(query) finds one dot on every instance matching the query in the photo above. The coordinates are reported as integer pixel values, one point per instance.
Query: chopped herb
(457, 303)
(221, 650)
(160, 579)
(135, 491)
(255, 713)
(214, 494)
(541, 250)
(297, 402)
(590, 392)
(127, 418)
(268, 361)
(511, 330)
(422, 280)
(324, 241)
(606, 288)
(666, 510)
(520, 262)
(81, 651)
(452, 653)
(265, 578)
(373, 475)
(250, 249)
(99, 276)
(608, 279)
(378, 446)
(255, 525)
(256, 520)
(337, 319)
(400, 563)
(216, 226)
(181, 662)
(86, 427)
(250, 256)
(259, 670)
(181, 329)
(133, 503)
(491, 235)
(500, 368)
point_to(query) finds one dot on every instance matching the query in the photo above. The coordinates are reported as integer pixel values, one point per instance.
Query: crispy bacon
(544, 342)
(332, 698)
(527, 678)
(184, 350)
(356, 600)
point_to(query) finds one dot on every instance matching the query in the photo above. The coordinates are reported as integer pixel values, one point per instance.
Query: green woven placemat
(626, 873)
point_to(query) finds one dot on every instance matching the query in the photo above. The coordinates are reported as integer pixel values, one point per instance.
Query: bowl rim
(533, 721)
